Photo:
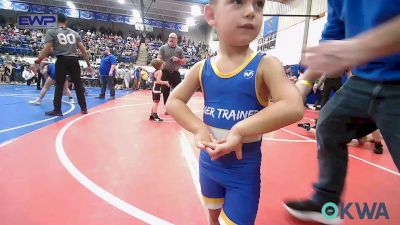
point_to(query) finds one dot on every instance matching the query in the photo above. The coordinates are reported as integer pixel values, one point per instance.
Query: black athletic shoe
(100, 97)
(378, 149)
(158, 119)
(84, 111)
(155, 118)
(111, 98)
(306, 126)
(308, 210)
(53, 113)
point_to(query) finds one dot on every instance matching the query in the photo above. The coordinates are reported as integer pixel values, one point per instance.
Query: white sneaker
(36, 101)
(71, 100)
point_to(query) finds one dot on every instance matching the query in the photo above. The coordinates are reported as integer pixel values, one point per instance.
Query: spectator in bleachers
(7, 72)
(144, 76)
(136, 77)
(124, 72)
(2, 73)
(28, 75)
(17, 71)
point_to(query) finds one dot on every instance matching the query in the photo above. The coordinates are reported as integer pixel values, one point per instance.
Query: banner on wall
(169, 25)
(74, 13)
(117, 18)
(38, 9)
(182, 27)
(101, 16)
(148, 24)
(36, 21)
(129, 20)
(154, 23)
(270, 26)
(5, 4)
(22, 7)
(87, 15)
(55, 10)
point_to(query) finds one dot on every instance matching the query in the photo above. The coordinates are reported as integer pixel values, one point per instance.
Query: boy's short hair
(157, 63)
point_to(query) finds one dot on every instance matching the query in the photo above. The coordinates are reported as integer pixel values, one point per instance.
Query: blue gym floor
(18, 116)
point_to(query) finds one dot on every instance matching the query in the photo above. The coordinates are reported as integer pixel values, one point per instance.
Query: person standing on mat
(173, 58)
(65, 43)
(237, 86)
(370, 99)
(107, 71)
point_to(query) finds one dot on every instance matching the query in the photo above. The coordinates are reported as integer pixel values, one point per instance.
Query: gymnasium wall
(289, 39)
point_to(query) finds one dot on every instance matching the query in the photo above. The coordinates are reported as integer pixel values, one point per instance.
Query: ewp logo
(375, 212)
(36, 21)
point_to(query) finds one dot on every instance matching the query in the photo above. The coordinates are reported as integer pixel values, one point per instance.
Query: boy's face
(238, 22)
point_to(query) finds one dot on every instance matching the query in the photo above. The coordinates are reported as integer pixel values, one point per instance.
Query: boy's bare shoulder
(270, 60)
(197, 65)
(269, 63)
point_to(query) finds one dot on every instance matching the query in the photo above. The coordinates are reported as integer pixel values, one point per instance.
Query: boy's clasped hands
(204, 140)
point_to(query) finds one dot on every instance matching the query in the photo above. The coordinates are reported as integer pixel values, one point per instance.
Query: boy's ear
(209, 14)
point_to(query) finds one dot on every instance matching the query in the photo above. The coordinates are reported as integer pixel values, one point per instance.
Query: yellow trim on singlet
(226, 218)
(212, 200)
(236, 71)
(200, 73)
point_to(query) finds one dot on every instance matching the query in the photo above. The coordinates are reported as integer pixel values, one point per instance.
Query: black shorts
(156, 96)
(173, 77)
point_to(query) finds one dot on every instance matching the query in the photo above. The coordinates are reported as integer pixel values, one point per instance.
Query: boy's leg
(214, 215)
(213, 194)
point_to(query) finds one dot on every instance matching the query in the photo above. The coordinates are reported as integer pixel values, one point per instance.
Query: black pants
(29, 81)
(107, 81)
(68, 65)
(318, 97)
(355, 111)
(330, 84)
(174, 78)
(3, 77)
(40, 80)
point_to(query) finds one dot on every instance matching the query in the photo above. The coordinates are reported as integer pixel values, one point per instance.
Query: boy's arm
(287, 109)
(177, 108)
(305, 82)
(158, 78)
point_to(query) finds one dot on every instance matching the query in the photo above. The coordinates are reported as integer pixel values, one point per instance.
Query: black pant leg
(75, 73)
(111, 85)
(61, 72)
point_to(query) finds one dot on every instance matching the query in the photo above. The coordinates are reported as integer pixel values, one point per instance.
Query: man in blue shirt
(107, 74)
(369, 100)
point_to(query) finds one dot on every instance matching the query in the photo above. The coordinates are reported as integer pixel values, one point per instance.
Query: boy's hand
(233, 142)
(201, 136)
